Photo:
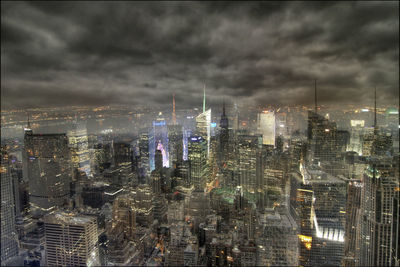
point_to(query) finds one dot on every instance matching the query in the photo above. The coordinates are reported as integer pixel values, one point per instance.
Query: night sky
(60, 54)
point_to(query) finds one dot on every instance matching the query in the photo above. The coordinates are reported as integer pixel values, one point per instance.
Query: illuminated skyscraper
(203, 124)
(198, 166)
(266, 127)
(158, 139)
(123, 215)
(380, 188)
(71, 240)
(175, 142)
(9, 237)
(224, 135)
(78, 144)
(249, 159)
(48, 171)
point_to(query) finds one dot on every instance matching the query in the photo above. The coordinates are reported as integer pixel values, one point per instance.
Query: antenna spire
(29, 125)
(223, 107)
(173, 109)
(315, 95)
(204, 98)
(375, 121)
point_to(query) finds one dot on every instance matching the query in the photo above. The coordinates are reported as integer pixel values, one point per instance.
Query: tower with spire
(173, 110)
(224, 135)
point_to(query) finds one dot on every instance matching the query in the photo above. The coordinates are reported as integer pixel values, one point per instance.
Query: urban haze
(200, 133)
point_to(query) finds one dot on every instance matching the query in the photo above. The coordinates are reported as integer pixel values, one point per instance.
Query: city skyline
(252, 53)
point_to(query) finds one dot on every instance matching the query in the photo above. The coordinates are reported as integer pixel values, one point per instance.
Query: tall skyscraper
(71, 239)
(48, 169)
(223, 136)
(203, 123)
(9, 236)
(249, 159)
(79, 148)
(198, 166)
(377, 210)
(322, 137)
(175, 142)
(159, 140)
(123, 215)
(266, 127)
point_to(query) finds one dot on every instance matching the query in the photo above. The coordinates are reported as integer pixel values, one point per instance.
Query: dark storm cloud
(69, 53)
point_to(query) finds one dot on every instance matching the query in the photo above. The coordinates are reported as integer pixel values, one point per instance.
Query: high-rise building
(322, 137)
(9, 236)
(175, 142)
(158, 139)
(278, 244)
(71, 239)
(266, 127)
(123, 215)
(223, 136)
(48, 172)
(203, 124)
(144, 157)
(198, 165)
(249, 160)
(79, 148)
(379, 189)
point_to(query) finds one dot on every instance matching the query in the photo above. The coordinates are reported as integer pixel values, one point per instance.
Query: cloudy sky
(254, 53)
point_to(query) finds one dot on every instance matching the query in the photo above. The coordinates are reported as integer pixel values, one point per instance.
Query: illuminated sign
(213, 124)
(159, 123)
(355, 123)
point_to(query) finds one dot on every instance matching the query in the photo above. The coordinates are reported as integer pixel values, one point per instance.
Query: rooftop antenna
(204, 98)
(29, 125)
(315, 95)
(375, 121)
(173, 109)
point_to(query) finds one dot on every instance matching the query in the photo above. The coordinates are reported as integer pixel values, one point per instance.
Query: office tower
(79, 148)
(175, 142)
(301, 206)
(144, 204)
(158, 139)
(9, 237)
(123, 154)
(203, 124)
(158, 160)
(278, 244)
(380, 188)
(123, 216)
(266, 127)
(71, 239)
(144, 161)
(249, 159)
(273, 187)
(198, 165)
(322, 136)
(353, 224)
(356, 132)
(329, 209)
(224, 136)
(47, 158)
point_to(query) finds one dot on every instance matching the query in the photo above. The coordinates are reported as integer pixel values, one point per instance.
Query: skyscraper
(203, 124)
(223, 135)
(71, 240)
(159, 140)
(9, 236)
(377, 210)
(198, 166)
(48, 169)
(249, 157)
(79, 148)
(266, 127)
